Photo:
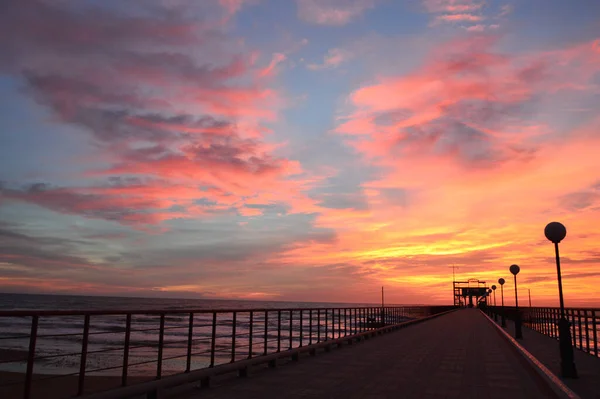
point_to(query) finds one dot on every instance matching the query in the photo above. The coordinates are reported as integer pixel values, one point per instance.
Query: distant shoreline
(200, 298)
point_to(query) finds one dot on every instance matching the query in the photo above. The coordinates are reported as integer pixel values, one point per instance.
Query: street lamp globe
(494, 287)
(555, 232)
(514, 269)
(501, 281)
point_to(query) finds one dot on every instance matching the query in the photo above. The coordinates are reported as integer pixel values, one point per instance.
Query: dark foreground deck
(458, 355)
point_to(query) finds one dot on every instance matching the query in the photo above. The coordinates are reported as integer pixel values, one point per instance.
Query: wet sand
(12, 355)
(52, 386)
(57, 387)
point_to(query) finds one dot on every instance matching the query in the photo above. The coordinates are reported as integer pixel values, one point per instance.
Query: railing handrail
(29, 313)
(256, 340)
(584, 323)
(524, 307)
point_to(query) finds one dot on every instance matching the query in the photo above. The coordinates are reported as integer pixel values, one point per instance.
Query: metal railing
(585, 324)
(129, 347)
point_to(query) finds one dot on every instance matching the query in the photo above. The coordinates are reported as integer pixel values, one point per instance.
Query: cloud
(587, 199)
(467, 13)
(505, 10)
(459, 18)
(332, 12)
(201, 257)
(481, 28)
(452, 6)
(176, 103)
(276, 60)
(97, 203)
(462, 103)
(232, 6)
(334, 58)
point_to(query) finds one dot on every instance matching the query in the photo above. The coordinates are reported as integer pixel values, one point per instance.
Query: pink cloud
(458, 11)
(165, 100)
(334, 58)
(96, 203)
(232, 6)
(459, 17)
(464, 106)
(452, 6)
(277, 59)
(332, 12)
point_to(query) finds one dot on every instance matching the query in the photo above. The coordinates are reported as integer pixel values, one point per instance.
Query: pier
(375, 352)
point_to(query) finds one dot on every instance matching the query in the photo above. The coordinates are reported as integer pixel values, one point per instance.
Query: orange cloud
(460, 163)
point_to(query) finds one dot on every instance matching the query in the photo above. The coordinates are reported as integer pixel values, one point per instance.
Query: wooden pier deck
(458, 355)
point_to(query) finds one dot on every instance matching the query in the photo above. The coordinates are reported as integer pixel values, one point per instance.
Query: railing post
(31, 356)
(587, 331)
(339, 323)
(546, 320)
(279, 331)
(362, 320)
(345, 325)
(300, 327)
(233, 336)
(318, 325)
(574, 333)
(554, 323)
(126, 350)
(161, 342)
(213, 343)
(326, 324)
(579, 328)
(251, 333)
(595, 332)
(266, 337)
(310, 329)
(188, 360)
(358, 317)
(291, 331)
(83, 360)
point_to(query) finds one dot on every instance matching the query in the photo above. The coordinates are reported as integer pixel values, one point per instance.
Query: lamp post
(495, 311)
(556, 232)
(515, 269)
(502, 318)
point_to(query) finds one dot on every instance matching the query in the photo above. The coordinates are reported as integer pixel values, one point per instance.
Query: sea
(59, 342)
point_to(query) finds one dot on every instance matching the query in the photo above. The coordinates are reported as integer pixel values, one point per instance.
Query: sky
(308, 150)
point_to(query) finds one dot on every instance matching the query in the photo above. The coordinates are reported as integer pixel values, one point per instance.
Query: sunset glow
(299, 150)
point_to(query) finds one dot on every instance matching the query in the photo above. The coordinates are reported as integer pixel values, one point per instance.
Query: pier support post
(567, 364)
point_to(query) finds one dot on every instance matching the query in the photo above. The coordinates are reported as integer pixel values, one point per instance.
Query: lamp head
(501, 281)
(514, 269)
(494, 287)
(555, 232)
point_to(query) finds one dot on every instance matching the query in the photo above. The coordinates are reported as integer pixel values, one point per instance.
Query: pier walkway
(545, 349)
(457, 355)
